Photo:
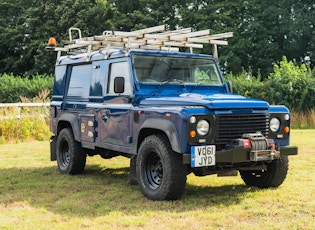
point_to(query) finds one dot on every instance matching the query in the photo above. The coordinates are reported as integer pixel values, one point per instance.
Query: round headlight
(274, 124)
(202, 127)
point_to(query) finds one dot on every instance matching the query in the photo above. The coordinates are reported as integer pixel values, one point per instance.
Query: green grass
(34, 195)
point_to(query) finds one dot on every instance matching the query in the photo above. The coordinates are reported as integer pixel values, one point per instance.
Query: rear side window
(79, 82)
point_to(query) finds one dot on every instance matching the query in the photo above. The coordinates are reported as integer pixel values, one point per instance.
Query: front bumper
(245, 155)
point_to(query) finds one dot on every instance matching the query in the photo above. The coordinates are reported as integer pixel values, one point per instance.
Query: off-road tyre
(272, 177)
(160, 171)
(70, 156)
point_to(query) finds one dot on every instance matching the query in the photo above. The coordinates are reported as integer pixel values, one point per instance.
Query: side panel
(87, 127)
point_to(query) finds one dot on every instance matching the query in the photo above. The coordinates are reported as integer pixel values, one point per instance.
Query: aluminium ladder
(152, 38)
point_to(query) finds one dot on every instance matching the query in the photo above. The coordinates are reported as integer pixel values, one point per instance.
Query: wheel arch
(69, 120)
(160, 126)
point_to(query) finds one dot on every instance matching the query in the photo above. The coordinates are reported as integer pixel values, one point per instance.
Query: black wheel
(272, 177)
(160, 171)
(70, 157)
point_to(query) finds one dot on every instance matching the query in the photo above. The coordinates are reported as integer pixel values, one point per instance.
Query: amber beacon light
(52, 42)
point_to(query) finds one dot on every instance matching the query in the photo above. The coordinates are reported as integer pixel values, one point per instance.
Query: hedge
(12, 88)
(289, 84)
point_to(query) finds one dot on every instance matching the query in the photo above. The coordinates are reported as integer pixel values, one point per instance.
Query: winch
(261, 148)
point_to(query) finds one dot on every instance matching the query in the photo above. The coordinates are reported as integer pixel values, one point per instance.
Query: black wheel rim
(65, 153)
(257, 174)
(154, 171)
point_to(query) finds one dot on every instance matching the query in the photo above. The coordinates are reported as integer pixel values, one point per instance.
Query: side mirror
(119, 85)
(230, 86)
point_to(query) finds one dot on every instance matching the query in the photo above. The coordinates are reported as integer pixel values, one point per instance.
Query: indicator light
(286, 129)
(192, 134)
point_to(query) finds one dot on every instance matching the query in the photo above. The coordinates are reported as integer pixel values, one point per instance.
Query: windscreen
(177, 70)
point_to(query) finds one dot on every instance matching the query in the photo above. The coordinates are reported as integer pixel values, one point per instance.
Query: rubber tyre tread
(173, 183)
(273, 177)
(77, 158)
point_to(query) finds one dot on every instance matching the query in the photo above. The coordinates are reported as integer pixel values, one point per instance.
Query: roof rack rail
(152, 38)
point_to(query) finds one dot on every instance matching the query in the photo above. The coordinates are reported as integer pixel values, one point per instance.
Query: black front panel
(233, 126)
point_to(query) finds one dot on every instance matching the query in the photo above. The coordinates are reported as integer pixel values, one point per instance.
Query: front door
(114, 116)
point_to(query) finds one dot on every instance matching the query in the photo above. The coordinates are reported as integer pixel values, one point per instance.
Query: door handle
(105, 117)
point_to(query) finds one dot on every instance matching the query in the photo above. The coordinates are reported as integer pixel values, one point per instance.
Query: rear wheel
(272, 177)
(160, 171)
(70, 157)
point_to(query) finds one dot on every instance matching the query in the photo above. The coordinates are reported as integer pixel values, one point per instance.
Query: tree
(26, 27)
(11, 23)
(264, 30)
(301, 37)
(220, 16)
(88, 15)
(131, 15)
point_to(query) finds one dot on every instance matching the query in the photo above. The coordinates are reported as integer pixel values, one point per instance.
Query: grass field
(34, 195)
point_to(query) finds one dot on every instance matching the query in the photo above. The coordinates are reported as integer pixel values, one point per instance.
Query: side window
(79, 82)
(97, 88)
(119, 69)
(59, 81)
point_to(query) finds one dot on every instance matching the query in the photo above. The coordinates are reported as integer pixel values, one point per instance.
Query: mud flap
(53, 148)
(133, 170)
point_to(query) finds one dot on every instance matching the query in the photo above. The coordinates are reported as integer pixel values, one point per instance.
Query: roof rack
(152, 38)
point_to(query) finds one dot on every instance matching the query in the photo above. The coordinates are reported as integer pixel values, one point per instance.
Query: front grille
(233, 126)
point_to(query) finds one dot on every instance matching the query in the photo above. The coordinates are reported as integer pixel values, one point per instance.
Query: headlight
(202, 127)
(274, 124)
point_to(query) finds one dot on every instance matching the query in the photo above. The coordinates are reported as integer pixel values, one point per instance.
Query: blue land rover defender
(172, 113)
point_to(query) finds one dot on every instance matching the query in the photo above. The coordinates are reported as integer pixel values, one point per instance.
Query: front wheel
(70, 157)
(272, 177)
(160, 171)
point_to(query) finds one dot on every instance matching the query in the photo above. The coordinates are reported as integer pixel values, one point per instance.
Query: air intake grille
(233, 126)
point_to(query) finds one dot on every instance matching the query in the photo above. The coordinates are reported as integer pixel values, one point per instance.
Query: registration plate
(202, 155)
